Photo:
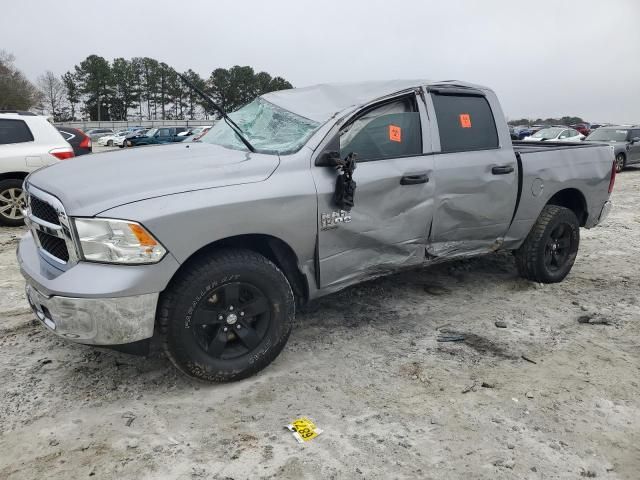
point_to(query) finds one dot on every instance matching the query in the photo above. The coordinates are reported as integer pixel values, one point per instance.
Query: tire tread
(203, 265)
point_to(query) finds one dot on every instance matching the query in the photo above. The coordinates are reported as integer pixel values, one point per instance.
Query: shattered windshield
(269, 128)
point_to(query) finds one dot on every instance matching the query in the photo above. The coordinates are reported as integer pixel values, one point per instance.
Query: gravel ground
(365, 365)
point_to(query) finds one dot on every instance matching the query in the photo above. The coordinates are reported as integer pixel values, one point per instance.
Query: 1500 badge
(333, 219)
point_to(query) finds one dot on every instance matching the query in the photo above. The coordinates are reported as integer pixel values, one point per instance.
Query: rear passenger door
(17, 152)
(476, 173)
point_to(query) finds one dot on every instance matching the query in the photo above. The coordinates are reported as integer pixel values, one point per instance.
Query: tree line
(140, 88)
(567, 120)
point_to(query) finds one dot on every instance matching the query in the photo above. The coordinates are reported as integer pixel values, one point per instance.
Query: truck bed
(545, 168)
(520, 146)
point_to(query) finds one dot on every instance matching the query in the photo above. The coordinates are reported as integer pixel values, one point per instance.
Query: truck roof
(322, 102)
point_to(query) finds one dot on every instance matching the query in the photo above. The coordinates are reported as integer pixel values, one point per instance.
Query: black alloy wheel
(558, 247)
(232, 321)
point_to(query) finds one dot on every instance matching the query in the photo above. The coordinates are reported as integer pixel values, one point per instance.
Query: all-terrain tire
(534, 258)
(193, 290)
(10, 216)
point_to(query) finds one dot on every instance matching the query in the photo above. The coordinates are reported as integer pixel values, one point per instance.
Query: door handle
(414, 179)
(502, 170)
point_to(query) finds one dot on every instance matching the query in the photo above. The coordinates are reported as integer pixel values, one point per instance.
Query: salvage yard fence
(121, 125)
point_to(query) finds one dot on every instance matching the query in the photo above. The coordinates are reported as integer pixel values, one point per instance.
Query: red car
(80, 142)
(583, 128)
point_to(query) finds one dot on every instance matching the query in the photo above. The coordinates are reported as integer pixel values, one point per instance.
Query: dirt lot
(365, 365)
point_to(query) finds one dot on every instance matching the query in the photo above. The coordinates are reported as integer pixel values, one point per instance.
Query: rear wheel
(228, 316)
(621, 162)
(11, 202)
(550, 249)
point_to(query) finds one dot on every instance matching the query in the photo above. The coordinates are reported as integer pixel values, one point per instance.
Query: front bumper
(96, 321)
(91, 303)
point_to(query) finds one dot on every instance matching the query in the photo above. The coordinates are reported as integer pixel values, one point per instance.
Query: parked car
(215, 244)
(121, 139)
(109, 140)
(156, 136)
(96, 133)
(583, 128)
(27, 142)
(555, 134)
(80, 142)
(196, 137)
(195, 130)
(526, 131)
(625, 142)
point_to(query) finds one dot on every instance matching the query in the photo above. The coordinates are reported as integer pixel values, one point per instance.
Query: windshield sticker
(395, 133)
(465, 120)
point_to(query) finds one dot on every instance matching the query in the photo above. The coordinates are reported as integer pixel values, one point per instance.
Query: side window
(14, 131)
(564, 134)
(465, 123)
(164, 132)
(391, 130)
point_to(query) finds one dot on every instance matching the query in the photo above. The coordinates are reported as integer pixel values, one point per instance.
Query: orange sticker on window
(395, 133)
(465, 120)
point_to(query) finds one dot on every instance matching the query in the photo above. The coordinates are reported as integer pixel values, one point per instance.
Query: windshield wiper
(237, 130)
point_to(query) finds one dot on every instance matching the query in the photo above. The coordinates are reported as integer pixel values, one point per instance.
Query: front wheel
(227, 316)
(11, 202)
(109, 143)
(621, 162)
(549, 251)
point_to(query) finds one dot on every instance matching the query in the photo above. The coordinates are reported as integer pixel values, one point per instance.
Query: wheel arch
(574, 200)
(13, 175)
(273, 248)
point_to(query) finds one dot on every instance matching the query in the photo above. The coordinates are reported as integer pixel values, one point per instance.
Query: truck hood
(92, 184)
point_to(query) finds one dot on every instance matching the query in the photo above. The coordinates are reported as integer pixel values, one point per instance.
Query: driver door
(387, 227)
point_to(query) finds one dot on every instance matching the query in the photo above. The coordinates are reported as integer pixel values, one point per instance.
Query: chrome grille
(54, 246)
(50, 226)
(44, 211)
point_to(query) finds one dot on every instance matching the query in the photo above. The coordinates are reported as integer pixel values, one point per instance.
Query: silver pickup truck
(213, 244)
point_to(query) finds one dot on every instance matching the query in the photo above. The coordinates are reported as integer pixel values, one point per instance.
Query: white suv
(27, 143)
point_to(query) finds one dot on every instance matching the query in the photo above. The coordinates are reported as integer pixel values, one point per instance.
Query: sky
(543, 58)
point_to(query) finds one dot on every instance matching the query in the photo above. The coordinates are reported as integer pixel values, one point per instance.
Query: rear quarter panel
(546, 173)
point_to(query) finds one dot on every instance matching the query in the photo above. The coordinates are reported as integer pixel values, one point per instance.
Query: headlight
(117, 241)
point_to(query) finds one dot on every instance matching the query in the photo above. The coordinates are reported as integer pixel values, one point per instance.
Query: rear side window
(465, 123)
(14, 131)
(391, 130)
(66, 135)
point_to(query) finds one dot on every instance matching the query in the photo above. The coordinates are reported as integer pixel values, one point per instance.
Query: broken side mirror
(330, 156)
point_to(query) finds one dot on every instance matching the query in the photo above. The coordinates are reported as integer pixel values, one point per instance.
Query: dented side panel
(386, 229)
(473, 205)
